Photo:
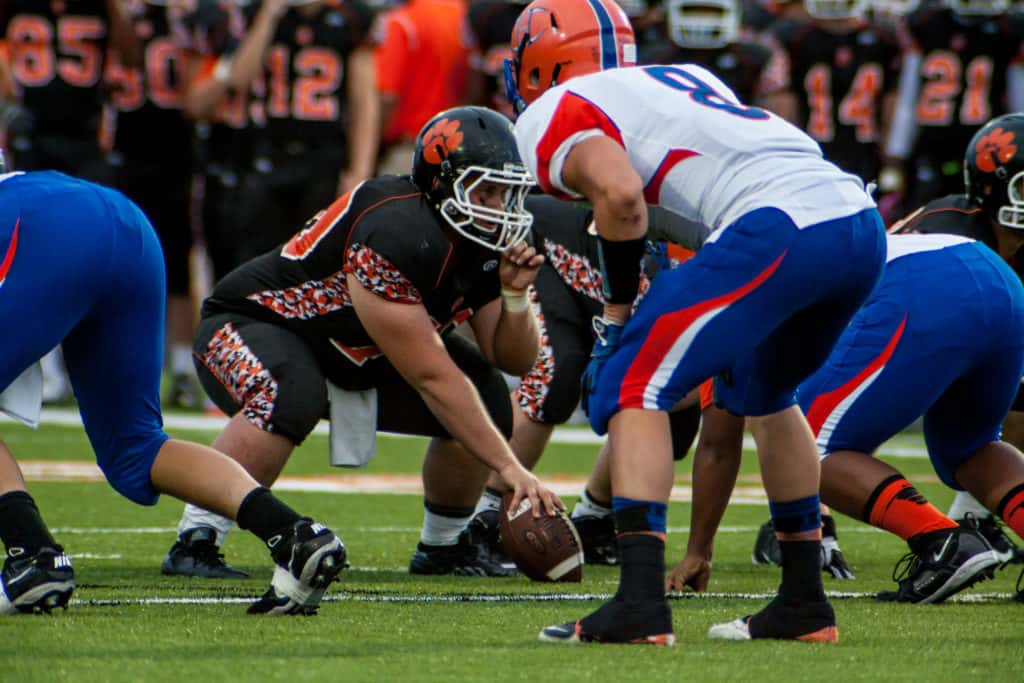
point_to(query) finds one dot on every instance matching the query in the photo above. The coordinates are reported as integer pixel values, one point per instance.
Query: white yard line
(567, 435)
(427, 598)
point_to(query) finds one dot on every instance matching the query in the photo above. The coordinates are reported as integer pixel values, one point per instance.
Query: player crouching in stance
(903, 356)
(366, 298)
(83, 268)
(797, 247)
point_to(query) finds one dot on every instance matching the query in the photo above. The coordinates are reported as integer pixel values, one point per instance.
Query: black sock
(801, 571)
(643, 567)
(21, 526)
(264, 515)
(828, 526)
(595, 500)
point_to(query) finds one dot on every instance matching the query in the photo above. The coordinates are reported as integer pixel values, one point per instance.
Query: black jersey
(57, 52)
(740, 65)
(840, 80)
(953, 214)
(962, 76)
(149, 99)
(383, 233)
(305, 79)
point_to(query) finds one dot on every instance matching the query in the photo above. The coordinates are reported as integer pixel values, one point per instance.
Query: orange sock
(896, 506)
(1011, 509)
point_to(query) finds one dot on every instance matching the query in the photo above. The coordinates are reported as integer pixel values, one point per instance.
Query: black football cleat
(307, 558)
(992, 531)
(600, 544)
(809, 622)
(195, 553)
(766, 546)
(36, 583)
(618, 621)
(951, 563)
(465, 558)
(485, 533)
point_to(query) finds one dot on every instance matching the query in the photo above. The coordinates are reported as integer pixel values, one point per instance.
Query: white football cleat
(737, 629)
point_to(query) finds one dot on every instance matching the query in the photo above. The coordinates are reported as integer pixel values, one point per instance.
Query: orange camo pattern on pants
(236, 367)
(533, 387)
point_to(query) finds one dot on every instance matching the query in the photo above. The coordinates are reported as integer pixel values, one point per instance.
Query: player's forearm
(248, 59)
(516, 339)
(122, 35)
(364, 115)
(716, 463)
(454, 401)
(201, 99)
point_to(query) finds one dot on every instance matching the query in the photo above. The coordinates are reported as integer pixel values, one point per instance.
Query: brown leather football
(544, 548)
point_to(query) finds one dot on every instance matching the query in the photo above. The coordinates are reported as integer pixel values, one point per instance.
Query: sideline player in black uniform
(990, 211)
(155, 169)
(56, 53)
(365, 297)
(957, 74)
(490, 23)
(707, 32)
(840, 82)
(316, 65)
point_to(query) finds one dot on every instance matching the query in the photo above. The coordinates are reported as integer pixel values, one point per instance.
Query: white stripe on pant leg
(673, 358)
(839, 412)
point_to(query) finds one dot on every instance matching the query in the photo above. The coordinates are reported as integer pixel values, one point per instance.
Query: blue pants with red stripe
(85, 270)
(759, 309)
(942, 336)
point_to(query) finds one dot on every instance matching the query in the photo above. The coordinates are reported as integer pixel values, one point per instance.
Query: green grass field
(127, 622)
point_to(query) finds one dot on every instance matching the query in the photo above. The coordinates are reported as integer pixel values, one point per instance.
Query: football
(544, 548)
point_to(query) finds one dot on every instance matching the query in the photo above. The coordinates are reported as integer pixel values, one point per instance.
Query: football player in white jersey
(797, 247)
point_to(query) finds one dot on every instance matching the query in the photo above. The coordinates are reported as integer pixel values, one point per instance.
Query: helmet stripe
(609, 51)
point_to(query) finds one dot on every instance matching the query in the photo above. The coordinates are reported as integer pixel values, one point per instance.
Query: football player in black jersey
(313, 63)
(155, 171)
(839, 82)
(962, 67)
(364, 299)
(707, 32)
(56, 52)
(990, 211)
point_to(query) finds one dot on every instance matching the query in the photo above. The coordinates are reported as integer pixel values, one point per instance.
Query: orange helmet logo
(441, 139)
(996, 147)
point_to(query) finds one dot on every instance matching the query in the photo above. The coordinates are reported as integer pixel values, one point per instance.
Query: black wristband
(620, 268)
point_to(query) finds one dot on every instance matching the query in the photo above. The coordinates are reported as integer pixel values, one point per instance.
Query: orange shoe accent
(663, 639)
(829, 634)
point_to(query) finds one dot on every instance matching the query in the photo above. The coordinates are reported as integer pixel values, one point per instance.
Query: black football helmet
(994, 170)
(461, 149)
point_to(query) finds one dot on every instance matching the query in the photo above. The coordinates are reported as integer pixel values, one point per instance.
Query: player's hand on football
(693, 571)
(525, 485)
(519, 266)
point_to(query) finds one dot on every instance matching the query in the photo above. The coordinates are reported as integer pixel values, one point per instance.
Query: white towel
(353, 426)
(23, 399)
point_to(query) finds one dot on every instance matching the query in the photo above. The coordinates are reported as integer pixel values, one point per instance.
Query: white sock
(439, 530)
(588, 508)
(181, 360)
(491, 500)
(964, 503)
(196, 516)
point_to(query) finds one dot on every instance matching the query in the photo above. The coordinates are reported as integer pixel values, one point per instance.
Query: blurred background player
(838, 80)
(55, 53)
(314, 62)
(707, 32)
(153, 164)
(422, 66)
(229, 115)
(490, 24)
(962, 66)
(110, 320)
(365, 297)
